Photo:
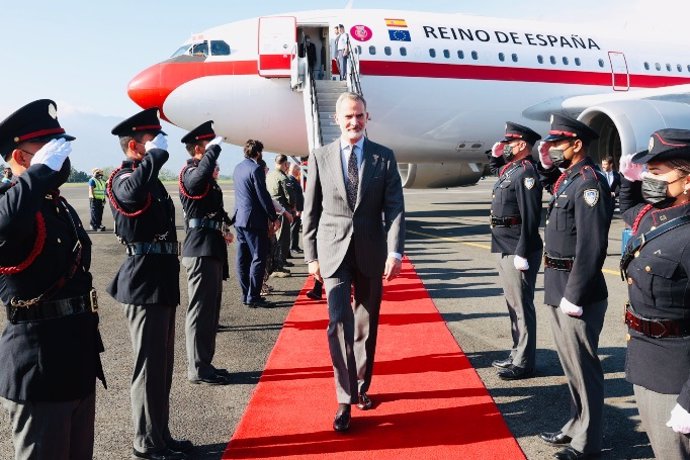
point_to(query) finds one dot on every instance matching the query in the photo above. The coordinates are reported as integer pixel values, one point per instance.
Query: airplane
(438, 87)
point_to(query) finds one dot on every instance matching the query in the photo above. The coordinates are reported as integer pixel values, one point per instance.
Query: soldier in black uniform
(147, 283)
(656, 265)
(515, 217)
(49, 350)
(576, 239)
(204, 254)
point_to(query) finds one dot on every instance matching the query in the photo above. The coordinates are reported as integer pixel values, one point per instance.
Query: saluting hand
(632, 171)
(158, 142)
(497, 150)
(392, 269)
(53, 154)
(544, 157)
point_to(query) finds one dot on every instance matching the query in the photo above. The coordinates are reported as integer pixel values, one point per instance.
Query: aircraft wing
(576, 104)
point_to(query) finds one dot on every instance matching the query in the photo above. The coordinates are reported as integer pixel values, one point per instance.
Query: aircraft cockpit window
(387, 50)
(403, 51)
(200, 49)
(181, 51)
(219, 48)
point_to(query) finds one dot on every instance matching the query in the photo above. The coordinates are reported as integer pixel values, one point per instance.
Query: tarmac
(448, 242)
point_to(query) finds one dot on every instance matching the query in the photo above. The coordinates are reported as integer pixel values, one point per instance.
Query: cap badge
(591, 196)
(52, 111)
(651, 144)
(551, 119)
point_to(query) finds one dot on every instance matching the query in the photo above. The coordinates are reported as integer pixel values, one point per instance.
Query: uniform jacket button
(648, 269)
(630, 281)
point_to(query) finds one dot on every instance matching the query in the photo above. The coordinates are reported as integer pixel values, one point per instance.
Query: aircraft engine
(439, 175)
(624, 127)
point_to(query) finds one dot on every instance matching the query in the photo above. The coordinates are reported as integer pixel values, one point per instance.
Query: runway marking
(451, 239)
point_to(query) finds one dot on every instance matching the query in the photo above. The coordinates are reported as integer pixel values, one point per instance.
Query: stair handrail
(353, 78)
(315, 140)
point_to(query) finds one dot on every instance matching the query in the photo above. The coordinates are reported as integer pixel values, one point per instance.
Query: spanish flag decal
(396, 23)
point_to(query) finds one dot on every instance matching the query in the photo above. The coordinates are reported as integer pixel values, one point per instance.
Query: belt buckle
(93, 298)
(663, 329)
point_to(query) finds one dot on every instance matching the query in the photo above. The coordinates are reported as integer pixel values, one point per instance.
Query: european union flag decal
(399, 35)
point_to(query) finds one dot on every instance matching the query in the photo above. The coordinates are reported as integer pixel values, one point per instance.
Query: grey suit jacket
(377, 224)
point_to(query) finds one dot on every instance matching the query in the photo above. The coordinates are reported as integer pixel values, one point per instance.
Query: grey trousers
(152, 330)
(577, 341)
(518, 288)
(655, 410)
(352, 328)
(61, 430)
(283, 237)
(205, 287)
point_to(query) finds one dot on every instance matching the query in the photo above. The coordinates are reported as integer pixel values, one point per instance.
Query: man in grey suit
(354, 228)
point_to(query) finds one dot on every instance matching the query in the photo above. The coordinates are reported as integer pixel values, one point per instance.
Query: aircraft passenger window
(689, 68)
(403, 51)
(515, 57)
(475, 56)
(680, 68)
(446, 54)
(461, 54)
(657, 66)
(432, 52)
(601, 63)
(668, 67)
(359, 49)
(372, 50)
(540, 59)
(565, 60)
(219, 48)
(646, 66)
(501, 57)
(552, 59)
(387, 50)
(200, 49)
(577, 62)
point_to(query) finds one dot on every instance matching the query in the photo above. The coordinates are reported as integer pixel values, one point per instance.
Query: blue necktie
(352, 178)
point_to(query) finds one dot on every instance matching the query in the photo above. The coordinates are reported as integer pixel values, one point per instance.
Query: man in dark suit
(353, 182)
(253, 212)
(295, 187)
(612, 176)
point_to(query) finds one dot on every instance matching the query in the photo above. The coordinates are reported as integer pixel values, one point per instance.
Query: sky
(82, 54)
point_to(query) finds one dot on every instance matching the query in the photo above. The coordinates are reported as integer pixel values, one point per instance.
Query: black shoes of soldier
(503, 363)
(180, 445)
(314, 295)
(165, 454)
(364, 402)
(215, 379)
(513, 372)
(557, 438)
(342, 419)
(572, 454)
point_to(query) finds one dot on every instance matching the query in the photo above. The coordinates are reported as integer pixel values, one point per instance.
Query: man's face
(336, 30)
(352, 117)
(606, 166)
(284, 166)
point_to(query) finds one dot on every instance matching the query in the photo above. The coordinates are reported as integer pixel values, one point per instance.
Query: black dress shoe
(364, 402)
(216, 379)
(263, 303)
(179, 445)
(503, 363)
(313, 295)
(342, 419)
(297, 250)
(572, 454)
(513, 372)
(556, 438)
(165, 454)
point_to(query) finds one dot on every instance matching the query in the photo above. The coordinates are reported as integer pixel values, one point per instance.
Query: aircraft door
(620, 78)
(277, 45)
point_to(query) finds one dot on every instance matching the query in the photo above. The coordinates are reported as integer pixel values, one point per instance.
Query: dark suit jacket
(253, 204)
(616, 184)
(329, 225)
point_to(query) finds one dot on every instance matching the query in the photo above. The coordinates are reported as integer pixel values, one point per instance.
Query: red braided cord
(184, 191)
(559, 182)
(113, 201)
(35, 251)
(639, 217)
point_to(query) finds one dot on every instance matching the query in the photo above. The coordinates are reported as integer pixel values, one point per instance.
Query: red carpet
(429, 402)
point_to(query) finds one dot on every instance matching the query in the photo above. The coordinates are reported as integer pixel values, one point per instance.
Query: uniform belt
(205, 223)
(505, 221)
(656, 328)
(156, 247)
(53, 309)
(558, 263)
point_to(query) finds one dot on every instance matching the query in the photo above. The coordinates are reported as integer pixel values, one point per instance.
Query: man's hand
(392, 268)
(520, 263)
(570, 308)
(53, 154)
(544, 157)
(315, 270)
(276, 225)
(229, 237)
(158, 142)
(497, 150)
(680, 420)
(288, 216)
(631, 171)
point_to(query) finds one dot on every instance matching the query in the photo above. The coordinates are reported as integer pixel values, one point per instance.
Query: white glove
(631, 171)
(520, 263)
(570, 309)
(53, 154)
(680, 420)
(158, 142)
(497, 150)
(216, 141)
(544, 157)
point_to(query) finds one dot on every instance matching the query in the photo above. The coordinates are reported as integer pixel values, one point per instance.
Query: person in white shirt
(342, 48)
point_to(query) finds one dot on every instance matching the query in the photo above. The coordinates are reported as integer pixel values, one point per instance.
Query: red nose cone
(147, 89)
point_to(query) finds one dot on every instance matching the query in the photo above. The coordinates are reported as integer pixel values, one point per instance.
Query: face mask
(558, 157)
(655, 191)
(508, 153)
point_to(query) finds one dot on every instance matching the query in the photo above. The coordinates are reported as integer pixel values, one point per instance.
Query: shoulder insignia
(529, 182)
(591, 196)
(124, 176)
